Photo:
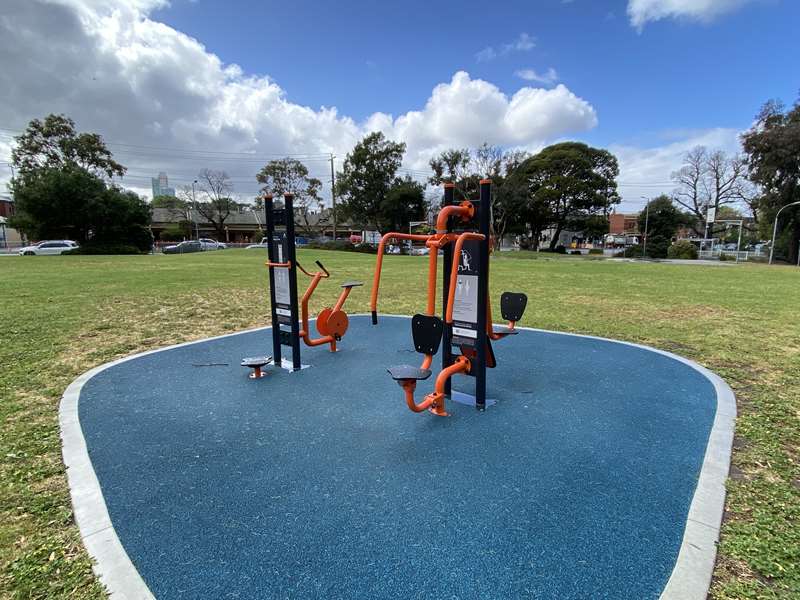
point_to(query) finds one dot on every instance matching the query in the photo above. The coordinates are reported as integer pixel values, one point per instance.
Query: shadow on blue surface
(322, 484)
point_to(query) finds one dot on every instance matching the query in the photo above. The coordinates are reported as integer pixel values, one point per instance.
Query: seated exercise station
(331, 323)
(467, 325)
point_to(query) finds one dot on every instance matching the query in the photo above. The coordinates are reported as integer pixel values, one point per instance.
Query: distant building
(161, 186)
(623, 224)
(6, 206)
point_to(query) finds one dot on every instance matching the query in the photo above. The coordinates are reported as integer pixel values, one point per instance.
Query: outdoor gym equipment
(332, 322)
(467, 323)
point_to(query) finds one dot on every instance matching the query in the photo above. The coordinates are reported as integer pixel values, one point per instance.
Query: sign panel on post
(283, 299)
(711, 214)
(465, 302)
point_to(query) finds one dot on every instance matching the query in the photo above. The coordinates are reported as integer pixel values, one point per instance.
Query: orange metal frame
(332, 323)
(435, 401)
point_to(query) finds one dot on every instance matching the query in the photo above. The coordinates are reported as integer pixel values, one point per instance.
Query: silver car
(48, 247)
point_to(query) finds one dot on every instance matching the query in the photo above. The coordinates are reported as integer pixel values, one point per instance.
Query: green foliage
(682, 249)
(565, 183)
(54, 143)
(99, 249)
(404, 202)
(664, 217)
(175, 233)
(595, 251)
(170, 202)
(369, 173)
(773, 150)
(342, 246)
(288, 175)
(657, 246)
(69, 202)
(258, 236)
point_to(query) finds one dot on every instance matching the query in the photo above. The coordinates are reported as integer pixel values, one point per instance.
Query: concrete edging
(690, 578)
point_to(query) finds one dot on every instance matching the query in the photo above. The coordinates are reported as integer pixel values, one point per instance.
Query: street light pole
(194, 206)
(646, 225)
(775, 229)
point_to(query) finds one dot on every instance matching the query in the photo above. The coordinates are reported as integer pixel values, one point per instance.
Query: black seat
(352, 284)
(401, 372)
(512, 306)
(256, 361)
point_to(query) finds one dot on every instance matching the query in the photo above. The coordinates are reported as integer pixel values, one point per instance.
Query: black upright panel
(283, 280)
(447, 350)
(270, 221)
(483, 292)
(288, 202)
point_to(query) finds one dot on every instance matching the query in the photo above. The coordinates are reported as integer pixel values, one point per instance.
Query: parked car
(262, 245)
(184, 247)
(209, 244)
(48, 247)
(422, 251)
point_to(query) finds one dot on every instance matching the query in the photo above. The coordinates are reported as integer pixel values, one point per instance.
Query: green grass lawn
(64, 315)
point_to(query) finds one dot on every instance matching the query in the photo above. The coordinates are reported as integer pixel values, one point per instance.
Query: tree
(566, 182)
(54, 143)
(59, 190)
(710, 180)
(465, 168)
(772, 147)
(216, 205)
(69, 202)
(370, 171)
(404, 202)
(170, 202)
(662, 219)
(288, 175)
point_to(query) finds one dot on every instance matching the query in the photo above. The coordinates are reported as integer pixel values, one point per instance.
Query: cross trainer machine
(289, 325)
(462, 233)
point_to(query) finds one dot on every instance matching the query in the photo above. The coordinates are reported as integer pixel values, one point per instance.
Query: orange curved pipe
(465, 210)
(376, 279)
(451, 293)
(304, 332)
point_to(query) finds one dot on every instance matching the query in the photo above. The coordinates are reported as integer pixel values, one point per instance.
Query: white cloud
(647, 171)
(523, 43)
(145, 87)
(548, 78)
(641, 12)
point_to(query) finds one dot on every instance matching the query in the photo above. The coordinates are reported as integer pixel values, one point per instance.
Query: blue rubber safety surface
(322, 484)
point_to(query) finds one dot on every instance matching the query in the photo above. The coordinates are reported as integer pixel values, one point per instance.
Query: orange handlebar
(376, 280)
(287, 264)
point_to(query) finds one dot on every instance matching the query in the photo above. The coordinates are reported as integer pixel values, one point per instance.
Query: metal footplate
(405, 372)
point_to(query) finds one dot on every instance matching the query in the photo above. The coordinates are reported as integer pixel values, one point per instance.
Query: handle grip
(319, 264)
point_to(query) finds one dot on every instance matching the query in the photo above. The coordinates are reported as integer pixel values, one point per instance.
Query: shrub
(258, 236)
(576, 253)
(682, 249)
(723, 257)
(596, 251)
(173, 233)
(94, 249)
(657, 246)
(631, 252)
(561, 249)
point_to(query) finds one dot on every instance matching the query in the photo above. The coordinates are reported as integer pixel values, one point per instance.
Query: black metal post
(447, 264)
(288, 206)
(482, 340)
(269, 219)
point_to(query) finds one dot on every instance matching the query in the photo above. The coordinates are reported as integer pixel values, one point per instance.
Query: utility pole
(646, 225)
(333, 196)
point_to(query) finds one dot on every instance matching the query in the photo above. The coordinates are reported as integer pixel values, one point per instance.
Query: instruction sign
(465, 302)
(283, 301)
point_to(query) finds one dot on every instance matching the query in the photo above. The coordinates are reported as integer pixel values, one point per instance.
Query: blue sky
(182, 85)
(673, 76)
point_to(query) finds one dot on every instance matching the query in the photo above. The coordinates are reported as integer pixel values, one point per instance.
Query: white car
(209, 244)
(258, 246)
(48, 247)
